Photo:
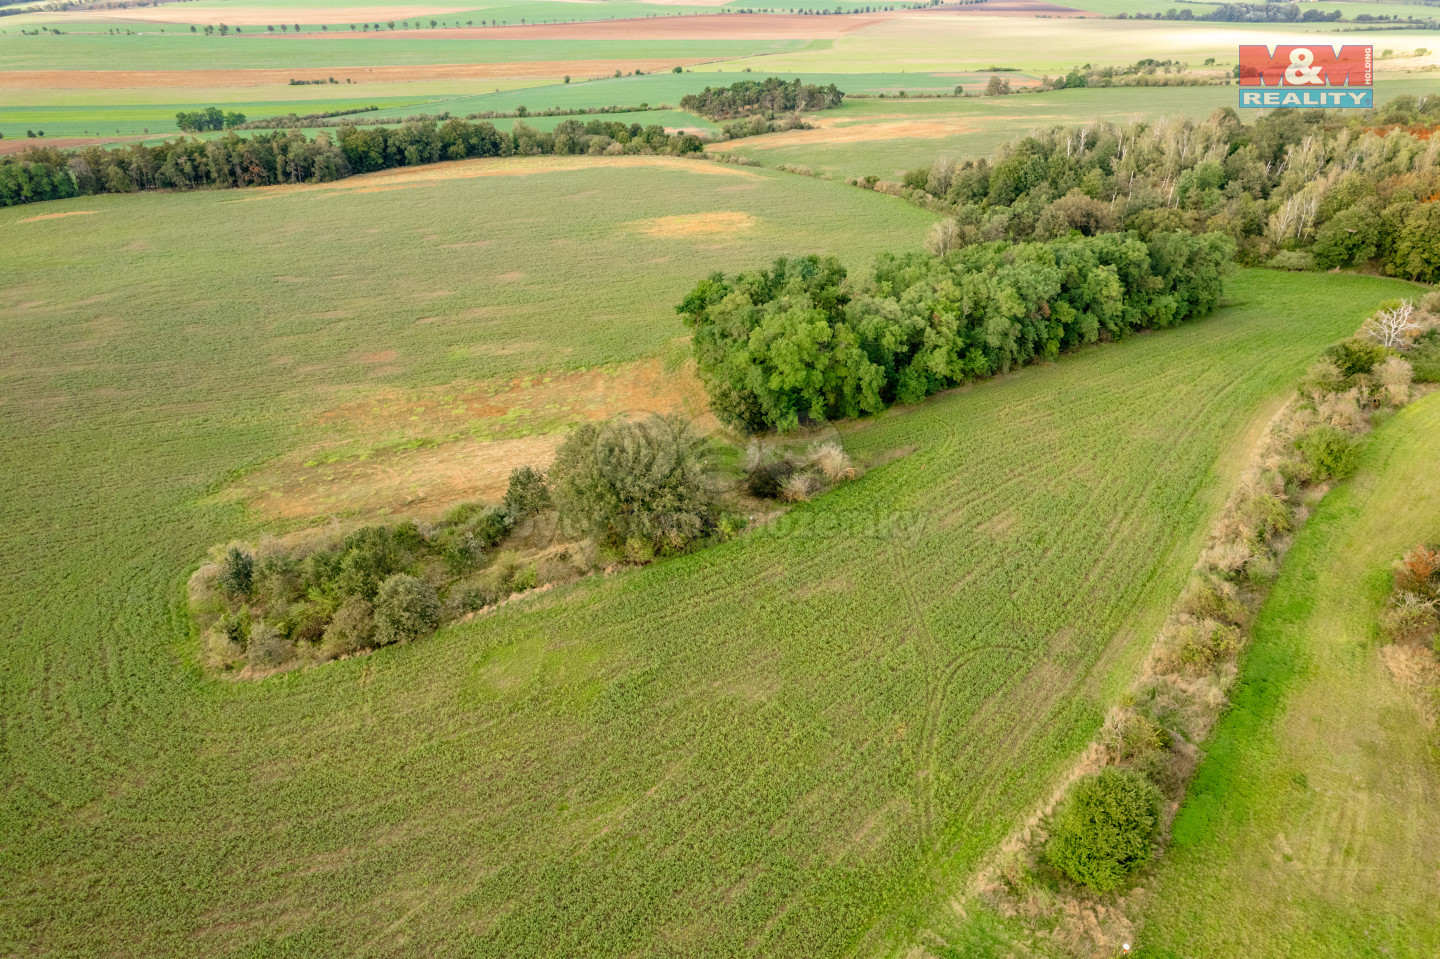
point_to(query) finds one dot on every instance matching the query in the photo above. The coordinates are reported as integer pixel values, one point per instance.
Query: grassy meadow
(1311, 828)
(672, 760)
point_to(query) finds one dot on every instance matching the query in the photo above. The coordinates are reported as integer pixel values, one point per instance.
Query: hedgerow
(259, 608)
(1098, 834)
(46, 173)
(801, 342)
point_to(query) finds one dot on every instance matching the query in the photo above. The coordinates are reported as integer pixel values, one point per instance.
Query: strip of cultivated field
(784, 745)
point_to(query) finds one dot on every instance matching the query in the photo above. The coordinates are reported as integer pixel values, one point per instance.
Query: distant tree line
(46, 173)
(210, 118)
(1300, 190)
(761, 97)
(803, 342)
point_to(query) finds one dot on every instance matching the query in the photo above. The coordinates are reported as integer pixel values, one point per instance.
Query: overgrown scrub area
(802, 342)
(761, 98)
(620, 491)
(1296, 189)
(1068, 876)
(47, 173)
(261, 608)
(1411, 622)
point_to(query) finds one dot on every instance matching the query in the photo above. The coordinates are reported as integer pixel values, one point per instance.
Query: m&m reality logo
(1310, 76)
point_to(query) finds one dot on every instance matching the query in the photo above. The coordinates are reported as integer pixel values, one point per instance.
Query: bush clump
(406, 608)
(528, 493)
(1105, 829)
(643, 481)
(1330, 453)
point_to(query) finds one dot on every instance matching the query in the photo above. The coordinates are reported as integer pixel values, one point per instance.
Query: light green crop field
(176, 51)
(1311, 828)
(794, 744)
(160, 118)
(668, 88)
(939, 43)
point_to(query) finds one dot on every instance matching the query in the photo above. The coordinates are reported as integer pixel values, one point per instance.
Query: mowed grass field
(794, 744)
(1312, 827)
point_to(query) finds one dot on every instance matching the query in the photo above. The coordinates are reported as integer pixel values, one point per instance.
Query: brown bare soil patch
(121, 79)
(730, 26)
(15, 145)
(696, 224)
(56, 216)
(422, 451)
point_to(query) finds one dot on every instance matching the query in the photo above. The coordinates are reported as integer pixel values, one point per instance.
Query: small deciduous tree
(634, 481)
(237, 572)
(528, 493)
(406, 607)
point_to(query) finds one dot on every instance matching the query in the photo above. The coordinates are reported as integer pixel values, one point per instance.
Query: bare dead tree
(1393, 327)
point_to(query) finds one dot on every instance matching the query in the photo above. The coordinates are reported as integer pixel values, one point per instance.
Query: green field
(793, 744)
(1311, 828)
(176, 51)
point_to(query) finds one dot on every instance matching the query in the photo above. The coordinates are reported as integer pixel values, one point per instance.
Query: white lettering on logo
(1300, 72)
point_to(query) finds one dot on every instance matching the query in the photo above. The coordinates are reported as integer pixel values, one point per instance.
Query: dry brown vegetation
(420, 451)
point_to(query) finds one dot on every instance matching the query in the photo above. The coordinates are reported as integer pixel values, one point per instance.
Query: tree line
(1295, 189)
(803, 342)
(47, 173)
(761, 97)
(210, 118)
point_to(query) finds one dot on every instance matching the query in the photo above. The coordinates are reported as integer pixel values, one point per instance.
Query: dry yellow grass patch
(56, 216)
(696, 224)
(418, 452)
(403, 178)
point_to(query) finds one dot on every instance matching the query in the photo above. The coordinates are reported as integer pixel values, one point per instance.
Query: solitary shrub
(1329, 452)
(352, 628)
(767, 480)
(528, 493)
(623, 480)
(832, 461)
(800, 487)
(1413, 620)
(1355, 356)
(1395, 376)
(406, 608)
(1296, 260)
(1211, 598)
(1322, 377)
(267, 648)
(237, 572)
(1105, 828)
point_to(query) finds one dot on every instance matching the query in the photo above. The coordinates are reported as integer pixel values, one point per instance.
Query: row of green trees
(1324, 191)
(802, 342)
(291, 157)
(210, 118)
(761, 97)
